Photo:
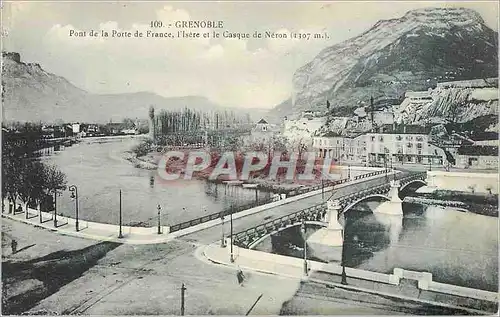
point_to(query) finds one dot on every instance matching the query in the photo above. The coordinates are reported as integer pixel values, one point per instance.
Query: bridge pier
(395, 205)
(326, 243)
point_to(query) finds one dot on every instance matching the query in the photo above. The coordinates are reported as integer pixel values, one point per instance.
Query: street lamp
(56, 193)
(344, 275)
(349, 172)
(74, 195)
(120, 235)
(222, 242)
(303, 229)
(231, 257)
(159, 227)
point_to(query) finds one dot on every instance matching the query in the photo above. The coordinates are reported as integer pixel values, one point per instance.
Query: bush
(143, 148)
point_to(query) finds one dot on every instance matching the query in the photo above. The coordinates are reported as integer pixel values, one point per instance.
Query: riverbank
(279, 186)
(479, 203)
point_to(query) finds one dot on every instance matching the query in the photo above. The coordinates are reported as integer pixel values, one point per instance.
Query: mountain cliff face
(32, 94)
(460, 102)
(414, 52)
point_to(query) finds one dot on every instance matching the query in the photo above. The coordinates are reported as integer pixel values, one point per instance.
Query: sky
(247, 73)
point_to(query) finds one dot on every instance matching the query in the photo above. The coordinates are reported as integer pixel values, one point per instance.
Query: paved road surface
(214, 233)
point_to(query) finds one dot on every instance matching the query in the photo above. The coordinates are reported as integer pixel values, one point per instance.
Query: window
(373, 139)
(419, 138)
(419, 145)
(409, 145)
(419, 152)
(399, 138)
(381, 138)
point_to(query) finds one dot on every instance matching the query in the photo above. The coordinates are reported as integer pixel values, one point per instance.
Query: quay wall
(480, 182)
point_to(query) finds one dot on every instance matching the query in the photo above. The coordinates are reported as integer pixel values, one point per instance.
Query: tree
(11, 180)
(55, 180)
(32, 179)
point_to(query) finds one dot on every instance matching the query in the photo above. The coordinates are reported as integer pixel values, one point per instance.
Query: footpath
(409, 286)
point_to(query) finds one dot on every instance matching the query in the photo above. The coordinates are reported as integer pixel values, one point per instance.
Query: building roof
(262, 121)
(478, 150)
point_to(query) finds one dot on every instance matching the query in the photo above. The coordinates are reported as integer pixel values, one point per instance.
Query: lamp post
(430, 163)
(159, 227)
(231, 257)
(183, 290)
(349, 172)
(120, 235)
(303, 229)
(74, 195)
(222, 242)
(344, 275)
(55, 208)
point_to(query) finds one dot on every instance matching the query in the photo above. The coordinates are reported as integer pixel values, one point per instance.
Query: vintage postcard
(249, 158)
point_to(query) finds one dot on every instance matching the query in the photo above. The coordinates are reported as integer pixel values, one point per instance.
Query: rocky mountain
(414, 52)
(458, 101)
(32, 94)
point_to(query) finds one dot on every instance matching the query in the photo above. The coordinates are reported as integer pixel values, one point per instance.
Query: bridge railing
(381, 189)
(247, 237)
(218, 215)
(330, 183)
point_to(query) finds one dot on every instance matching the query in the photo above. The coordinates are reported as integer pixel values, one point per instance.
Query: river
(459, 248)
(97, 168)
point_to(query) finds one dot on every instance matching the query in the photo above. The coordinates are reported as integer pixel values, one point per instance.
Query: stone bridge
(328, 213)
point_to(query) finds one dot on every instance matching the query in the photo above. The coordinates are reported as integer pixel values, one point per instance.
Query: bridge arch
(349, 206)
(298, 223)
(415, 181)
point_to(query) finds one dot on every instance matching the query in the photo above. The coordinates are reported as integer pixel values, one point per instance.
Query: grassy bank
(480, 203)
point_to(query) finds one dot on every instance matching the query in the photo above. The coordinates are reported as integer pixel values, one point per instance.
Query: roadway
(213, 234)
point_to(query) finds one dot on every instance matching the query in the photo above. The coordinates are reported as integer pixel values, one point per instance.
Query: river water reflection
(459, 248)
(96, 166)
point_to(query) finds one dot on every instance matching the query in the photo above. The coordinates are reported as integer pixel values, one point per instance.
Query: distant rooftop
(262, 121)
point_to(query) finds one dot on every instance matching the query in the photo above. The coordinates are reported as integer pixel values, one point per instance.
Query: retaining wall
(481, 182)
(275, 262)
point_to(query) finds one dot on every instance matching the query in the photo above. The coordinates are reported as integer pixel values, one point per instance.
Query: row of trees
(26, 178)
(192, 120)
(32, 182)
